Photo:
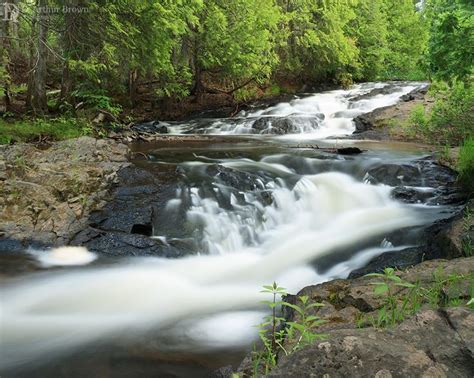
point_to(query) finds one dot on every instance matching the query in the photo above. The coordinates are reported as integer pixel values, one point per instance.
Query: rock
(349, 151)
(441, 240)
(223, 372)
(362, 123)
(55, 189)
(153, 127)
(422, 346)
(287, 125)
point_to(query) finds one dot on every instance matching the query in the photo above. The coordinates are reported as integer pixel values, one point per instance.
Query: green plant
(393, 309)
(301, 331)
(98, 100)
(270, 331)
(273, 331)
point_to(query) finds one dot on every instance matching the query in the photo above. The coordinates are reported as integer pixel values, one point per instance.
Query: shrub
(452, 116)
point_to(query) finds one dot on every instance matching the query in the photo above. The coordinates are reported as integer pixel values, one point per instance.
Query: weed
(274, 331)
(392, 311)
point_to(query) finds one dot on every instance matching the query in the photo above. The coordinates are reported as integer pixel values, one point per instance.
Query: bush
(466, 164)
(452, 117)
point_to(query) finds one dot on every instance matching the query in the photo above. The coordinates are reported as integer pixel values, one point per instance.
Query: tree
(407, 37)
(235, 42)
(318, 46)
(37, 83)
(451, 42)
(369, 29)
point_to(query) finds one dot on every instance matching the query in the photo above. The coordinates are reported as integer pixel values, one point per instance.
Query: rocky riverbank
(436, 341)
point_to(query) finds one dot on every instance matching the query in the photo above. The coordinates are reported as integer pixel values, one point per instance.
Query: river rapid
(266, 200)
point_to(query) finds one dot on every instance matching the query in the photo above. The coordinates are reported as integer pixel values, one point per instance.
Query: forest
(103, 54)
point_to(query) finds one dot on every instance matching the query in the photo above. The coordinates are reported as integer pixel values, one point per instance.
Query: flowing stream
(248, 209)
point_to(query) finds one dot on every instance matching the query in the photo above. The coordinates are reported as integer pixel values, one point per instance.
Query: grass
(40, 129)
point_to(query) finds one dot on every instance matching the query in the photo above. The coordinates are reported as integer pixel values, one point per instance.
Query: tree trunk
(68, 48)
(5, 52)
(132, 87)
(39, 103)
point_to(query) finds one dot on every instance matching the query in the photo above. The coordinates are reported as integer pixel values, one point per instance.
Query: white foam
(63, 256)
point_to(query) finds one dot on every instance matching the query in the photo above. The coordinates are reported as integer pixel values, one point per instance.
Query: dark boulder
(362, 123)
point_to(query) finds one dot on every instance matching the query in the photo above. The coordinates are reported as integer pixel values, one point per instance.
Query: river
(263, 199)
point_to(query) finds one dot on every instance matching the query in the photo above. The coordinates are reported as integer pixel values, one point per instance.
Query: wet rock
(362, 123)
(405, 258)
(286, 125)
(441, 240)
(223, 372)
(153, 127)
(349, 151)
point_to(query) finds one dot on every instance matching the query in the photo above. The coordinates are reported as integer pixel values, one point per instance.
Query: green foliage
(38, 129)
(466, 164)
(317, 45)
(451, 42)
(452, 116)
(98, 100)
(237, 39)
(274, 330)
(370, 29)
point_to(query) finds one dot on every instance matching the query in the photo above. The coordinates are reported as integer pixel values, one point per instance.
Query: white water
(64, 256)
(51, 314)
(337, 108)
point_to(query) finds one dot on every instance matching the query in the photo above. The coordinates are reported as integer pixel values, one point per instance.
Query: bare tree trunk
(5, 34)
(68, 46)
(39, 103)
(132, 87)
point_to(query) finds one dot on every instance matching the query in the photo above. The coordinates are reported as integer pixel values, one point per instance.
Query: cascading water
(295, 216)
(321, 115)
